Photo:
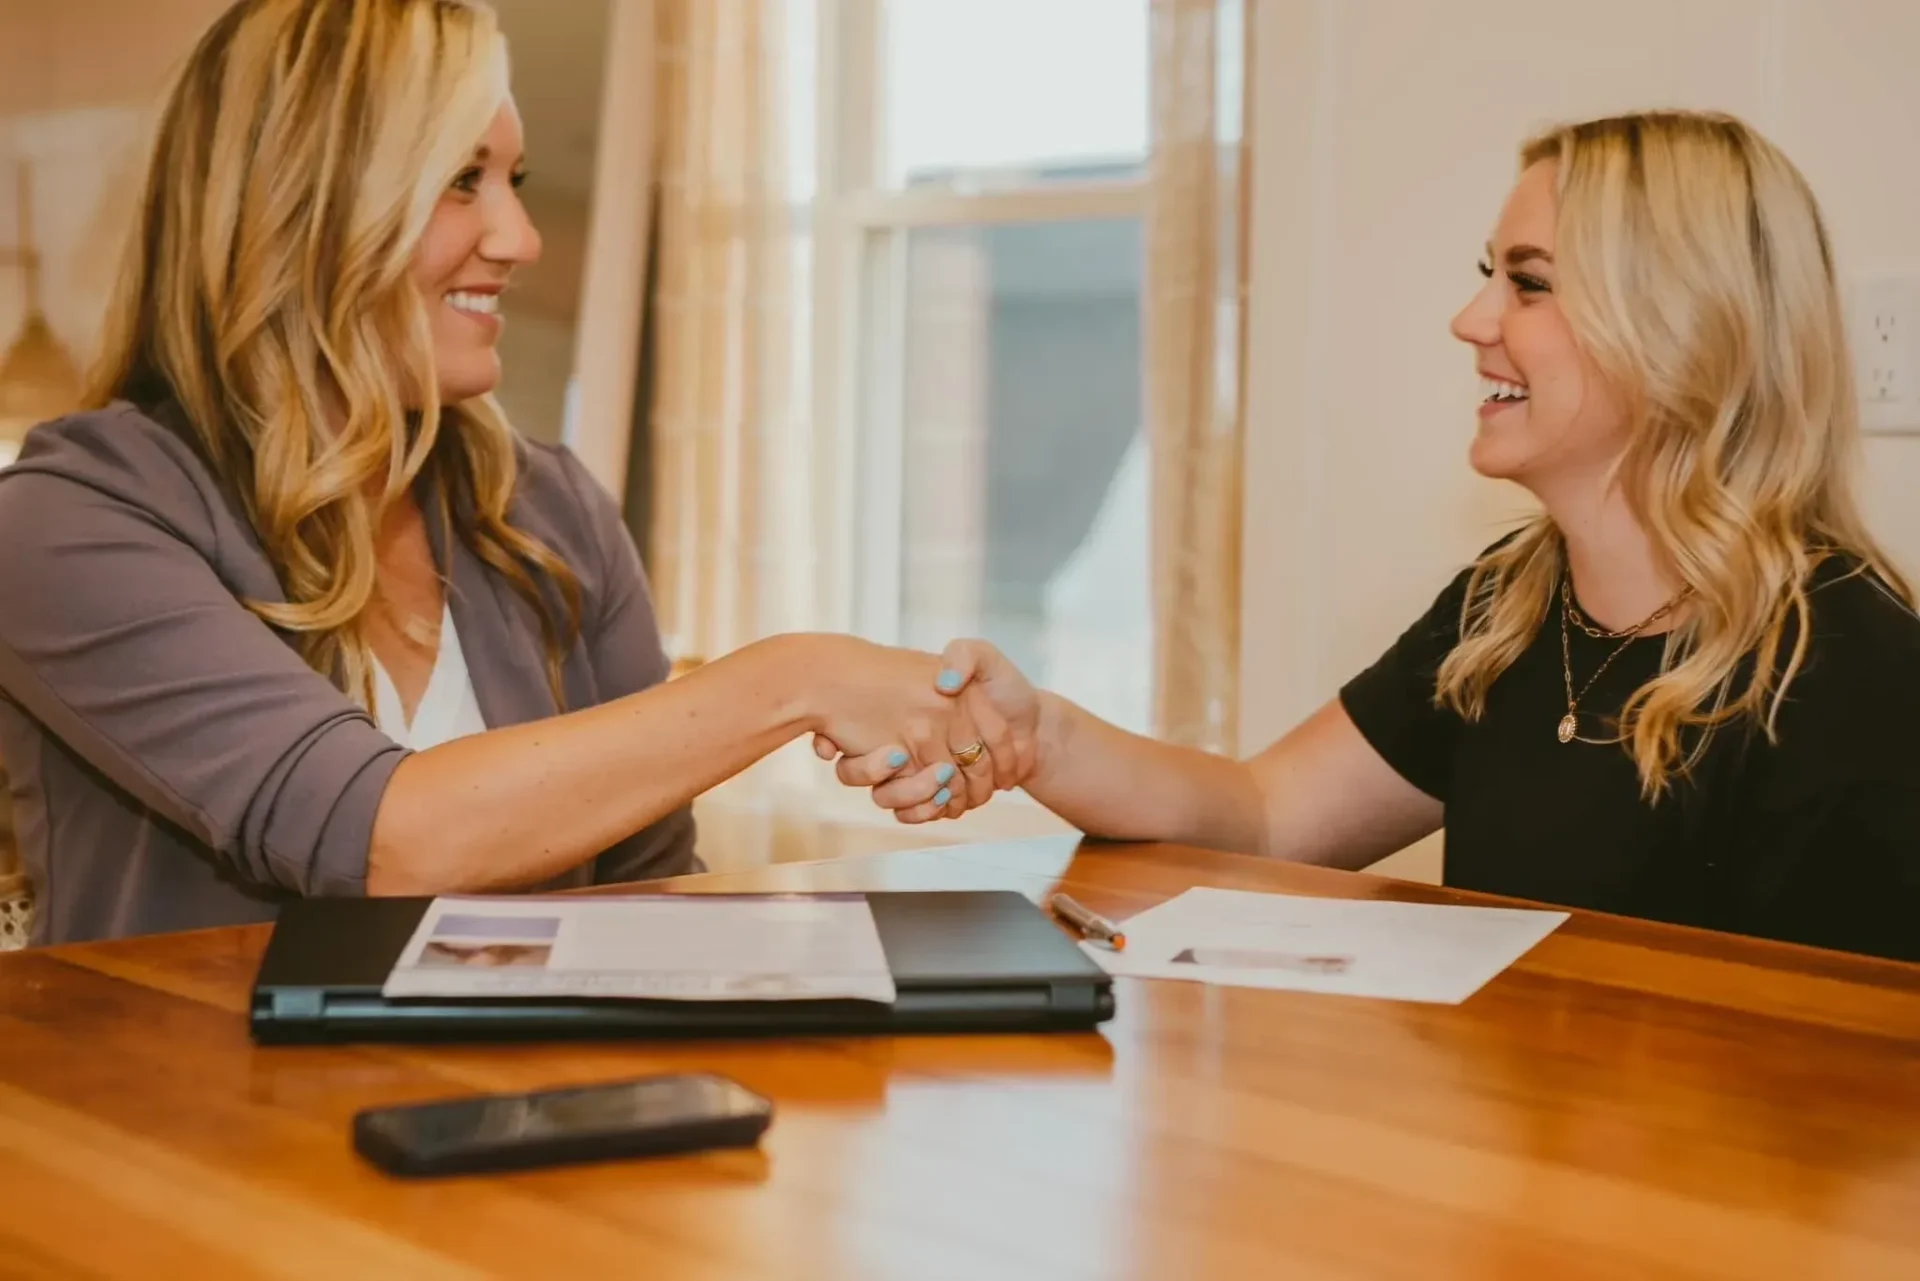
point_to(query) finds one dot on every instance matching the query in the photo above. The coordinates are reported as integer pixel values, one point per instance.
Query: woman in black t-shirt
(1690, 689)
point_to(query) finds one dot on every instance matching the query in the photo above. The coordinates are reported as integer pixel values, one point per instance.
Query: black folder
(962, 961)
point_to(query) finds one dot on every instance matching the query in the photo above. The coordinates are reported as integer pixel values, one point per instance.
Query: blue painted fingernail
(949, 681)
(897, 759)
(944, 773)
(942, 796)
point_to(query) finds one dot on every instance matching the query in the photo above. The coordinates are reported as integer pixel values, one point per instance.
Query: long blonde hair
(268, 291)
(1697, 273)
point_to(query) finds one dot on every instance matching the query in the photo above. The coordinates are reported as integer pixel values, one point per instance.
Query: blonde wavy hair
(268, 292)
(1696, 272)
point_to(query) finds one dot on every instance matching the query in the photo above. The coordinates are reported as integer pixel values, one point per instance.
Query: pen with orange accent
(1090, 924)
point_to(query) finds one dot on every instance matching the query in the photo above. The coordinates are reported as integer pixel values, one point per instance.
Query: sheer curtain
(736, 460)
(723, 314)
(731, 434)
(1194, 327)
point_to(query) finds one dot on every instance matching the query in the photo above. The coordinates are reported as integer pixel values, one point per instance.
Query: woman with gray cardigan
(293, 611)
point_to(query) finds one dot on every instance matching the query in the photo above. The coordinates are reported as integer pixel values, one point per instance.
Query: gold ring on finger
(970, 754)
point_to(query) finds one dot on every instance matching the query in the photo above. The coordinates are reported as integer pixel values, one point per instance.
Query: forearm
(1121, 786)
(516, 806)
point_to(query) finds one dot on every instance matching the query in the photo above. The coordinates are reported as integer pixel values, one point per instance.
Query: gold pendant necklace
(422, 633)
(1569, 617)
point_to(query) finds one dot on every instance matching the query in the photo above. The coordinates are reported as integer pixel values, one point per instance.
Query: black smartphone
(651, 1116)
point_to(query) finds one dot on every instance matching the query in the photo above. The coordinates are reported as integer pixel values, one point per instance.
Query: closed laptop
(962, 961)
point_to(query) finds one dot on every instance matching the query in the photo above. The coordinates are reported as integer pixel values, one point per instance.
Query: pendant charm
(1567, 727)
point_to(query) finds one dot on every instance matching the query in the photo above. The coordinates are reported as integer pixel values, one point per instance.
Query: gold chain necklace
(1570, 617)
(419, 632)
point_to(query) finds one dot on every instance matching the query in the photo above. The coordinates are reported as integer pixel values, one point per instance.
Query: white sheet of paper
(687, 947)
(1348, 947)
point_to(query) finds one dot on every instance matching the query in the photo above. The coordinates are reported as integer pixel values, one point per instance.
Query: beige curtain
(1194, 310)
(730, 397)
(723, 316)
(729, 401)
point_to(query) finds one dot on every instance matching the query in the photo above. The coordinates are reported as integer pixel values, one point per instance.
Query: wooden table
(1629, 1101)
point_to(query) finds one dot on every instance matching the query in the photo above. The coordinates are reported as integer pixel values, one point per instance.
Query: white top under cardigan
(448, 708)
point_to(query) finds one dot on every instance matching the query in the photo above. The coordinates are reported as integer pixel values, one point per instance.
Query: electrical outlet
(1883, 324)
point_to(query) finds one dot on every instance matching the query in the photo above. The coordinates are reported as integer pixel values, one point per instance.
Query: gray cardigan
(174, 763)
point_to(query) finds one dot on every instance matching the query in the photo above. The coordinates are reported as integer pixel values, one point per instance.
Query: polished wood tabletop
(1629, 1100)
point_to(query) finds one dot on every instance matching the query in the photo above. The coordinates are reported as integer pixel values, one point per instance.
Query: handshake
(932, 737)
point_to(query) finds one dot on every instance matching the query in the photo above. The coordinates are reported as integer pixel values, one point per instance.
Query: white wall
(1384, 136)
(80, 88)
(1849, 115)
(82, 53)
(77, 81)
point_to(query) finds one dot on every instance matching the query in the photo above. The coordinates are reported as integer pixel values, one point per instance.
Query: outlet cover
(1883, 325)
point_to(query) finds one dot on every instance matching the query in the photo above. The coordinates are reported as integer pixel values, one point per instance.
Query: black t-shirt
(1813, 838)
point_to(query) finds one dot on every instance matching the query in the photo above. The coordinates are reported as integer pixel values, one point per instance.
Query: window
(899, 352)
(978, 189)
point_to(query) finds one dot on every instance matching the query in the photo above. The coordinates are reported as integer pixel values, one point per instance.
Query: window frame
(848, 583)
(860, 285)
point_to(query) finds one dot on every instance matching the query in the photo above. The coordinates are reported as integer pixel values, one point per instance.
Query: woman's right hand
(995, 706)
(866, 697)
(884, 708)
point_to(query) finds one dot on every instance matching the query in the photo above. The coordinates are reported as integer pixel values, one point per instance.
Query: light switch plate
(1883, 325)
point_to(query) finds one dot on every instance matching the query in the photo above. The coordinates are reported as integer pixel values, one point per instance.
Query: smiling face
(1548, 417)
(478, 233)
